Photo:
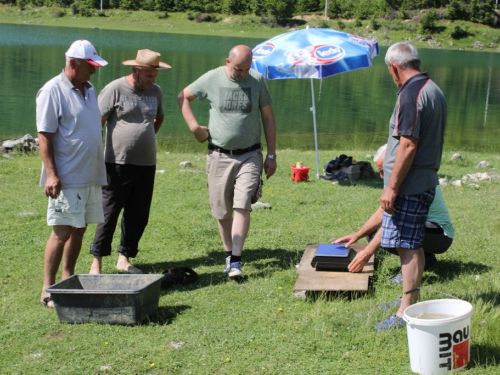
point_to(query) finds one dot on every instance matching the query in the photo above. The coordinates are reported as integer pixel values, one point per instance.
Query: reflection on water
(353, 109)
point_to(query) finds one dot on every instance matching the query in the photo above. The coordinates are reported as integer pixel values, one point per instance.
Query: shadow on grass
(263, 261)
(313, 296)
(167, 314)
(375, 183)
(483, 355)
(452, 269)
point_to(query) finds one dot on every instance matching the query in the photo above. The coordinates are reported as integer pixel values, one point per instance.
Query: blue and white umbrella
(313, 53)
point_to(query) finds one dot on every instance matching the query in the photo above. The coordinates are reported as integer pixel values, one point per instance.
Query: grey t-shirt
(235, 118)
(130, 133)
(420, 112)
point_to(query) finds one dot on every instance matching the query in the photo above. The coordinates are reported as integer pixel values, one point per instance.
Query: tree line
(480, 11)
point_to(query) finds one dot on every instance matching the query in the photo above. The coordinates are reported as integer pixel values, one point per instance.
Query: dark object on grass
(181, 275)
(342, 161)
(366, 170)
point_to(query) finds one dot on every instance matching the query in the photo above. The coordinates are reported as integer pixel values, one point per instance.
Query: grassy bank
(472, 36)
(258, 326)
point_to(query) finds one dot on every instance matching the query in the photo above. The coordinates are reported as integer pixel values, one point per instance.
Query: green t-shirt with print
(235, 118)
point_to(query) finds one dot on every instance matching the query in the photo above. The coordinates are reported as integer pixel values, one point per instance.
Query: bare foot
(124, 265)
(96, 267)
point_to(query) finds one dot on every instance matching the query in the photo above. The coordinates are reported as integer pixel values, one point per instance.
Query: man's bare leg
(233, 231)
(53, 254)
(239, 230)
(412, 264)
(96, 267)
(225, 230)
(71, 252)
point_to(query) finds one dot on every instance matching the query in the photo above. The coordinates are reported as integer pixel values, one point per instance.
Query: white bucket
(442, 344)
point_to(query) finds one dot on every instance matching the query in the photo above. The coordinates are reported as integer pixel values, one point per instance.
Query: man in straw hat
(132, 108)
(73, 172)
(239, 100)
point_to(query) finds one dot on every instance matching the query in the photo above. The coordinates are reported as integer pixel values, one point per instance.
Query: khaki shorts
(232, 181)
(76, 207)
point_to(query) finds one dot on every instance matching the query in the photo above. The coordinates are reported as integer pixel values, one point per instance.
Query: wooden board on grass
(311, 280)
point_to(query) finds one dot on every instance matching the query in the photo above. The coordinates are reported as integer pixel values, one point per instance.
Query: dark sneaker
(397, 279)
(235, 271)
(390, 305)
(430, 260)
(392, 322)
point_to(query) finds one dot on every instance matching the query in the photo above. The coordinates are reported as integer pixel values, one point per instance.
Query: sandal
(45, 302)
(181, 275)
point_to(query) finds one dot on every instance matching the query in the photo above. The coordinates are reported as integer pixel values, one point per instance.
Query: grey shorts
(232, 181)
(76, 207)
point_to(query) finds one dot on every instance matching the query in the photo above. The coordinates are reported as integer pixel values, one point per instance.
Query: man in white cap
(73, 171)
(132, 108)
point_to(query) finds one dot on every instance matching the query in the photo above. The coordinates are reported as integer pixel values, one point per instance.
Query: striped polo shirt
(420, 112)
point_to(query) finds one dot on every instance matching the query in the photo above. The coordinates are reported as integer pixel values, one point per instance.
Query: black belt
(241, 151)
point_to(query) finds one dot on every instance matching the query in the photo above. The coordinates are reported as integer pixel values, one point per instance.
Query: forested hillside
(281, 11)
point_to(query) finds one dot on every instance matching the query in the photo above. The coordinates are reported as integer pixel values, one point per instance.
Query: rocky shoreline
(25, 144)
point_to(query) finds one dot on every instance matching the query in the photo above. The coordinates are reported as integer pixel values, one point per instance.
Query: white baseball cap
(83, 49)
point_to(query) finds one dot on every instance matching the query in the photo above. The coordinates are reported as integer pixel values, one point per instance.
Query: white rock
(456, 157)
(443, 182)
(105, 368)
(176, 345)
(190, 170)
(261, 205)
(484, 177)
(162, 171)
(483, 164)
(457, 183)
(185, 164)
(301, 294)
(21, 214)
(475, 186)
(478, 277)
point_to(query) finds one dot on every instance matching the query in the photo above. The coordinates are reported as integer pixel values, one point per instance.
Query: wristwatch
(271, 156)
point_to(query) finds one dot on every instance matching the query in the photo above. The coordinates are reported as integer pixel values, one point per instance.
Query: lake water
(353, 109)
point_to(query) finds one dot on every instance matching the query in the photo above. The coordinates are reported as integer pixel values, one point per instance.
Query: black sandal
(181, 275)
(45, 302)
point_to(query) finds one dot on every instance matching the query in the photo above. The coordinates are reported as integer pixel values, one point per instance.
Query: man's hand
(270, 167)
(201, 133)
(359, 261)
(52, 187)
(387, 201)
(348, 240)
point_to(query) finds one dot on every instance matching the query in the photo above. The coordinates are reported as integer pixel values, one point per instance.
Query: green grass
(479, 37)
(226, 327)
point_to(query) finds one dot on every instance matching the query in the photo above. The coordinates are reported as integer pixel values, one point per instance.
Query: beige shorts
(232, 181)
(76, 207)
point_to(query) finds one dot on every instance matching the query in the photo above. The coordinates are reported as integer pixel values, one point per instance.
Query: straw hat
(147, 59)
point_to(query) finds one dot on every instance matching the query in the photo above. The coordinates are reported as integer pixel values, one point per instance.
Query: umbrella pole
(313, 110)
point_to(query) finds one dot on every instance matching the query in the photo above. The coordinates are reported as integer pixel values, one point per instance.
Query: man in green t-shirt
(239, 100)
